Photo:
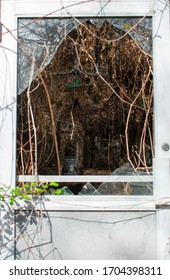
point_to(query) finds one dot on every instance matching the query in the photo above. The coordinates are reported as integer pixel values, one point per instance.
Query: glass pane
(85, 103)
(88, 189)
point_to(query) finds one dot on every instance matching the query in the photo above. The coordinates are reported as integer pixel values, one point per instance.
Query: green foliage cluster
(25, 191)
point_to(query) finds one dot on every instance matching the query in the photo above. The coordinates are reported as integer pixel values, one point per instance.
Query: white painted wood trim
(8, 96)
(83, 7)
(91, 203)
(161, 69)
(80, 178)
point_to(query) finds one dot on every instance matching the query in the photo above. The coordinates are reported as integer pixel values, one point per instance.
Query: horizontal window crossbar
(83, 179)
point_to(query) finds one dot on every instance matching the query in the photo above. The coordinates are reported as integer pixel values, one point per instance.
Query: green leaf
(11, 201)
(33, 184)
(54, 184)
(2, 197)
(38, 190)
(25, 186)
(74, 84)
(16, 191)
(58, 192)
(43, 186)
(24, 196)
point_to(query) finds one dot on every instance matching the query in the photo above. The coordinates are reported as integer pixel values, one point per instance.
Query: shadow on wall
(57, 235)
(7, 221)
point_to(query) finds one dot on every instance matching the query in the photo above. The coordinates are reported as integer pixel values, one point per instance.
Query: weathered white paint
(81, 178)
(163, 232)
(95, 203)
(161, 62)
(87, 7)
(8, 97)
(7, 234)
(90, 235)
(8, 57)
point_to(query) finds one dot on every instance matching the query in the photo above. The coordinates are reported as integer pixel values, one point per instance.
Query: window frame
(120, 8)
(85, 178)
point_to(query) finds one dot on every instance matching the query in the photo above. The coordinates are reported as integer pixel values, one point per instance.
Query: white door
(124, 192)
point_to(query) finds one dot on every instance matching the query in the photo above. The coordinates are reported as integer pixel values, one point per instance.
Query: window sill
(90, 203)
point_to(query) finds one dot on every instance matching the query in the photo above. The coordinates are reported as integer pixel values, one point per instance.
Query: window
(85, 103)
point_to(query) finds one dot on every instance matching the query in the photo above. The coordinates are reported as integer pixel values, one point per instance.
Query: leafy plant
(25, 191)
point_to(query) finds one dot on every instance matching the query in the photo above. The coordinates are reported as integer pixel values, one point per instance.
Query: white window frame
(113, 8)
(92, 12)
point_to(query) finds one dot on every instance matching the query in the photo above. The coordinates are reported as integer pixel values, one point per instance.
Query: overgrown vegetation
(92, 104)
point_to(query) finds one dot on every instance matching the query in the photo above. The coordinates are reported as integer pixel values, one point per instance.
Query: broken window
(85, 101)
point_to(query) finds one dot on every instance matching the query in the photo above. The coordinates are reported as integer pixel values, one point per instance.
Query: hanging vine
(100, 92)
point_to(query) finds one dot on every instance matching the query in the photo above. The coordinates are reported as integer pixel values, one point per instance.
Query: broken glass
(89, 82)
(39, 40)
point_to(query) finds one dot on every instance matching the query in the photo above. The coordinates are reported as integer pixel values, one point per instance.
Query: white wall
(8, 56)
(89, 235)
